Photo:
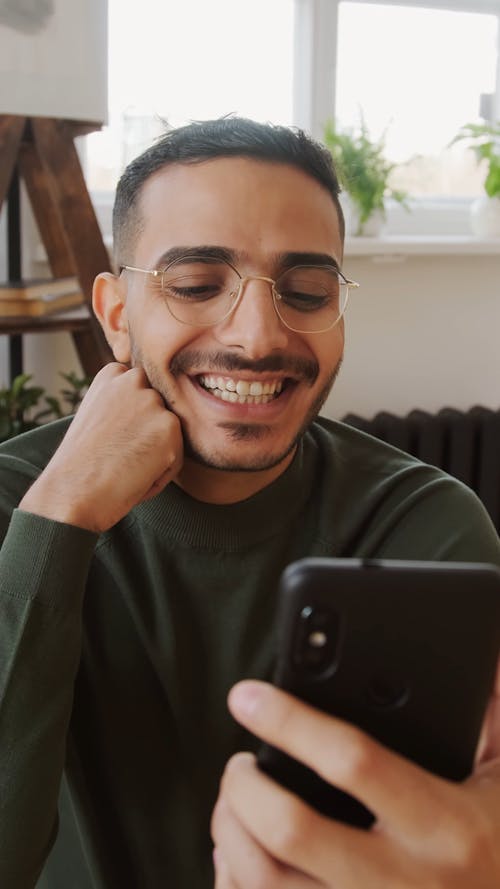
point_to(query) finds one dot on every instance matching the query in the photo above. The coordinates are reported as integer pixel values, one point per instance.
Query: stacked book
(39, 297)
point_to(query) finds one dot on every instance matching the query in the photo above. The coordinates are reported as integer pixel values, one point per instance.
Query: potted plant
(364, 174)
(23, 406)
(484, 139)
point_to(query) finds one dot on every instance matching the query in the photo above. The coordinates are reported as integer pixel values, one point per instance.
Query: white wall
(421, 333)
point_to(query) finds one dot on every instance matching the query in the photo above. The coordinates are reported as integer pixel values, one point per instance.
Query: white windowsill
(397, 247)
(388, 248)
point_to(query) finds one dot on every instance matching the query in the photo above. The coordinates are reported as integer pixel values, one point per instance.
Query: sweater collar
(189, 522)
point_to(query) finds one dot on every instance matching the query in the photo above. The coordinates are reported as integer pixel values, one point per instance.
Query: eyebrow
(287, 260)
(211, 253)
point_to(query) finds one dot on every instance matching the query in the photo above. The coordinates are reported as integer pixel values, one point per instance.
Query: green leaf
(484, 140)
(19, 383)
(54, 405)
(362, 168)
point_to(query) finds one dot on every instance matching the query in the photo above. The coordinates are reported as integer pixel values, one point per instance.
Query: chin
(234, 459)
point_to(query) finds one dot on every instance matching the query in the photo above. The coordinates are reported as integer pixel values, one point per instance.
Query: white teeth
(242, 387)
(241, 391)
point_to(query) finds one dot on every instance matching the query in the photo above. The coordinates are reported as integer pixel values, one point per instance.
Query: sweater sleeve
(43, 571)
(441, 520)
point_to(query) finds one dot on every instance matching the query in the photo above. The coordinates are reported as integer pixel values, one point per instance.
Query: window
(188, 60)
(376, 54)
(417, 75)
(418, 69)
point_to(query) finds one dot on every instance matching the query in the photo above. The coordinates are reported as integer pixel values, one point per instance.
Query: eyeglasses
(201, 291)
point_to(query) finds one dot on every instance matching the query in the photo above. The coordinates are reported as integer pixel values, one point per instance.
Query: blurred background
(423, 329)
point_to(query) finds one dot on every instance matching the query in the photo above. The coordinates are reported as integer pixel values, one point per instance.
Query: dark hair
(225, 137)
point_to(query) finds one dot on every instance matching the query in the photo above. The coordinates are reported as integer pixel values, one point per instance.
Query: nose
(254, 325)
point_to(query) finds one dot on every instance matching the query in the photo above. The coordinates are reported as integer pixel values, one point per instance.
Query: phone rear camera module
(317, 640)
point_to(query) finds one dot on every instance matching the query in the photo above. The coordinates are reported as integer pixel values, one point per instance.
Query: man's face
(261, 213)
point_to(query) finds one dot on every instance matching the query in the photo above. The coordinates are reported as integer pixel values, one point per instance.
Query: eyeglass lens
(307, 298)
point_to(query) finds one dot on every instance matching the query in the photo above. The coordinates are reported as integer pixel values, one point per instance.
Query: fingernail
(245, 698)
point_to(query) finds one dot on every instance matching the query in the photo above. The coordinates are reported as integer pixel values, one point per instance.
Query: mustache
(192, 361)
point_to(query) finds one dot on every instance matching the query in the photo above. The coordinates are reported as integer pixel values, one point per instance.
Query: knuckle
(293, 830)
(474, 840)
(358, 761)
(264, 875)
(112, 369)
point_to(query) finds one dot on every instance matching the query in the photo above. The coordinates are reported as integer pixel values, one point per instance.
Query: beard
(189, 362)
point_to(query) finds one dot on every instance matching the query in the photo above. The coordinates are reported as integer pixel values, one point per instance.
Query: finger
(222, 876)
(243, 858)
(311, 847)
(489, 746)
(175, 465)
(345, 757)
(106, 376)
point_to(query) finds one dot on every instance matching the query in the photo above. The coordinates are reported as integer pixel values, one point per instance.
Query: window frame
(314, 92)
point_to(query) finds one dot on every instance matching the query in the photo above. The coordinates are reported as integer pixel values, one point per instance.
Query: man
(139, 572)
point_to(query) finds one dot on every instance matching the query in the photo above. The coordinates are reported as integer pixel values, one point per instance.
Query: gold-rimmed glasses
(204, 291)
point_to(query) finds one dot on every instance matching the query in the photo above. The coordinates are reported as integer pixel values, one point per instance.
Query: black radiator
(466, 444)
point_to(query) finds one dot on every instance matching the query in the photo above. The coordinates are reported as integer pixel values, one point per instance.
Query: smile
(241, 391)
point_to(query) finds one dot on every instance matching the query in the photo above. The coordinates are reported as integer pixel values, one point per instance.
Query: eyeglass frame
(244, 280)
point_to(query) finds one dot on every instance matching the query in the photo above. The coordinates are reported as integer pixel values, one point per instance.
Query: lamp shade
(53, 59)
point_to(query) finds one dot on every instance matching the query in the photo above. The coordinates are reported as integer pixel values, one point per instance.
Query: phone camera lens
(316, 641)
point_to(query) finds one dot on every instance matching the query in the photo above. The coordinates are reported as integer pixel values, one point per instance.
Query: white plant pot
(485, 217)
(373, 226)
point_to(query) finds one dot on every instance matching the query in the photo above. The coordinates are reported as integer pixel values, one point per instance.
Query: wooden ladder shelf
(42, 152)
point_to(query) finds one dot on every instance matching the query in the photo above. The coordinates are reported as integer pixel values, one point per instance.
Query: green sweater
(117, 652)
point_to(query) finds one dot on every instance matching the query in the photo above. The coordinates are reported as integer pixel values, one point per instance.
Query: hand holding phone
(405, 650)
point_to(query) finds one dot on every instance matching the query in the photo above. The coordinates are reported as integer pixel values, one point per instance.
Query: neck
(221, 486)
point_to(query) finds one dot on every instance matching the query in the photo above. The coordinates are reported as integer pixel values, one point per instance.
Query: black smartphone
(405, 650)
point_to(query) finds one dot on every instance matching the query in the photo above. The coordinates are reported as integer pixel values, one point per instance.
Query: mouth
(238, 391)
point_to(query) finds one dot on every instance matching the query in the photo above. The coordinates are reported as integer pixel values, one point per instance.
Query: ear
(108, 300)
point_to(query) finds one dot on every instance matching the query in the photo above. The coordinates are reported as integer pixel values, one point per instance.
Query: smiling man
(245, 368)
(144, 541)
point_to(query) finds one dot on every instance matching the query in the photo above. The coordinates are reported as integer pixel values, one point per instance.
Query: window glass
(417, 75)
(188, 60)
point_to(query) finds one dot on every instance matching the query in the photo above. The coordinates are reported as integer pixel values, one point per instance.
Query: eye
(195, 281)
(303, 301)
(308, 289)
(195, 288)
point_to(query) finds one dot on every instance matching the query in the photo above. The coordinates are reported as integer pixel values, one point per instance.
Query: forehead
(257, 208)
